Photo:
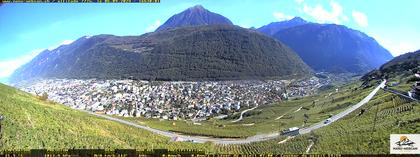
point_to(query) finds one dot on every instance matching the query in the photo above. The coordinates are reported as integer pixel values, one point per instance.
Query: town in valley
(171, 100)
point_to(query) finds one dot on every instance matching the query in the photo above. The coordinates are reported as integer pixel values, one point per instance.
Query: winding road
(345, 112)
(399, 93)
(196, 139)
(256, 138)
(242, 113)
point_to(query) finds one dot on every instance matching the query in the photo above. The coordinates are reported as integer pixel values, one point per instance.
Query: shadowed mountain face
(214, 52)
(408, 63)
(410, 60)
(194, 16)
(274, 27)
(334, 48)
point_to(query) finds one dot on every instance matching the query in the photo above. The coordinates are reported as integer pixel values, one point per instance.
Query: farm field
(366, 133)
(31, 123)
(266, 119)
(369, 132)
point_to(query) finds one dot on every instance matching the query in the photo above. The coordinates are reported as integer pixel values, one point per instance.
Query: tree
(306, 117)
(44, 96)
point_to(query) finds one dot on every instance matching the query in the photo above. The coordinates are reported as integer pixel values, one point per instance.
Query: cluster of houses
(305, 87)
(168, 100)
(415, 89)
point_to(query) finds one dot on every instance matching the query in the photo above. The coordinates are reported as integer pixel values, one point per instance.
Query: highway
(399, 93)
(256, 138)
(345, 112)
(196, 139)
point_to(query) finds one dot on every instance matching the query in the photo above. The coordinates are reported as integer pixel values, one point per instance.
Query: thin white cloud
(400, 47)
(153, 27)
(360, 18)
(322, 15)
(395, 46)
(65, 42)
(281, 16)
(7, 67)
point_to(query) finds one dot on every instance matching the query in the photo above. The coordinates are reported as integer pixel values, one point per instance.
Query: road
(197, 139)
(298, 109)
(399, 93)
(309, 147)
(242, 113)
(256, 138)
(345, 112)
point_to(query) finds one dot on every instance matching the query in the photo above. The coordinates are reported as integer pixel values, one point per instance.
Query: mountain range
(197, 44)
(407, 64)
(208, 52)
(194, 16)
(275, 27)
(329, 47)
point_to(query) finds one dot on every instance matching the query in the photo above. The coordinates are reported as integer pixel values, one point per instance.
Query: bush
(44, 96)
(412, 79)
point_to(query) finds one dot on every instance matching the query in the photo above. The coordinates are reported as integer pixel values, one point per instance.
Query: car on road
(327, 121)
(193, 141)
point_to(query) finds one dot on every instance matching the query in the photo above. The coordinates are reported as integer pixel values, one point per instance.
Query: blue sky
(27, 29)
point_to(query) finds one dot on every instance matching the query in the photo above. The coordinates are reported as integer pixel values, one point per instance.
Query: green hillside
(265, 119)
(31, 123)
(370, 132)
(354, 134)
(214, 52)
(366, 133)
(404, 65)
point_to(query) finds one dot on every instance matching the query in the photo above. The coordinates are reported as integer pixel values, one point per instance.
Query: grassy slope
(353, 134)
(264, 118)
(32, 123)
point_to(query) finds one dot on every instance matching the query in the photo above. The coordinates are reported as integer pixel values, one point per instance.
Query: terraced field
(295, 145)
(269, 118)
(31, 123)
(369, 132)
(364, 132)
(358, 133)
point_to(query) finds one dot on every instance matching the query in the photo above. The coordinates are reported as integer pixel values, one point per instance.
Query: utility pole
(306, 118)
(374, 124)
(1, 119)
(398, 120)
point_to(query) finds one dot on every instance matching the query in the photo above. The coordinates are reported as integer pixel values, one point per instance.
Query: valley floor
(28, 120)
